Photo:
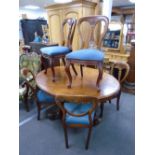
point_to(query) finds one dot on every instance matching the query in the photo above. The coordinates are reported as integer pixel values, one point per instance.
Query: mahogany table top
(109, 86)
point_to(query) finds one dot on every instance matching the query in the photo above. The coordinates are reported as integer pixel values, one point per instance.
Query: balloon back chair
(120, 71)
(32, 62)
(30, 65)
(90, 52)
(77, 111)
(59, 52)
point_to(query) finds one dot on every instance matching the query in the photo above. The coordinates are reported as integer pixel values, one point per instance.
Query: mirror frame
(120, 37)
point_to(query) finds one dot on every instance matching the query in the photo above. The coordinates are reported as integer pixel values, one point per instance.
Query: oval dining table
(81, 86)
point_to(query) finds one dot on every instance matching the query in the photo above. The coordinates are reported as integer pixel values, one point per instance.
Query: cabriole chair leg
(67, 69)
(100, 68)
(74, 69)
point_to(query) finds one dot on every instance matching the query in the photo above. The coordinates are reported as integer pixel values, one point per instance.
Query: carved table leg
(67, 69)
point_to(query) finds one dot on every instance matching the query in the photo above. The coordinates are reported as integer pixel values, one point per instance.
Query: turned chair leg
(118, 99)
(74, 69)
(100, 68)
(66, 136)
(81, 69)
(52, 70)
(63, 60)
(71, 65)
(67, 69)
(88, 138)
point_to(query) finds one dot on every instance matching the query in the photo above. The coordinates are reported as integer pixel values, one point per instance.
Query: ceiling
(42, 3)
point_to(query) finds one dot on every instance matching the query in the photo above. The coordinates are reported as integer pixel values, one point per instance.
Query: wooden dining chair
(58, 52)
(30, 65)
(32, 62)
(77, 111)
(41, 98)
(120, 71)
(90, 53)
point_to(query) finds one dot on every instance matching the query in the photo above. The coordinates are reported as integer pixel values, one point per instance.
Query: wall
(31, 14)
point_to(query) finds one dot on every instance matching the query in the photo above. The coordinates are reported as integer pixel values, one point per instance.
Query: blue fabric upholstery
(44, 97)
(37, 39)
(86, 54)
(78, 109)
(55, 50)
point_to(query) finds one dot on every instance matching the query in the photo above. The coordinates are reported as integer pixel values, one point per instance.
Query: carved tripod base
(98, 64)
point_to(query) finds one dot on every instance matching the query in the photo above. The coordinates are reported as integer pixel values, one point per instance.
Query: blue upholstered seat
(44, 97)
(86, 54)
(55, 50)
(78, 109)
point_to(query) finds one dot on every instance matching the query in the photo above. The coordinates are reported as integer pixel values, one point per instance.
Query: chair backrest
(120, 70)
(60, 99)
(68, 32)
(29, 66)
(32, 61)
(96, 23)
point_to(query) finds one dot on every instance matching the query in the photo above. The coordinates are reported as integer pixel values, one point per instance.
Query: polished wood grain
(109, 86)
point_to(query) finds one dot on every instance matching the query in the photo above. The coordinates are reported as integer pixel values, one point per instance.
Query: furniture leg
(26, 100)
(74, 69)
(38, 107)
(118, 99)
(66, 136)
(101, 110)
(67, 69)
(110, 101)
(100, 68)
(26, 104)
(88, 138)
(81, 69)
(43, 62)
(63, 60)
(52, 69)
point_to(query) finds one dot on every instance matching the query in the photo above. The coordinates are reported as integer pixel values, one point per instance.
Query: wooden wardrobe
(58, 12)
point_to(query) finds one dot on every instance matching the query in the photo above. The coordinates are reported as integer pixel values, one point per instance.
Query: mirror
(113, 36)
